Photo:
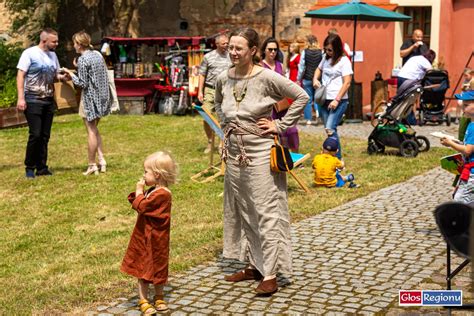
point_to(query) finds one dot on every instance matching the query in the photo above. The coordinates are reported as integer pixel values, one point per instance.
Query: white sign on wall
(359, 56)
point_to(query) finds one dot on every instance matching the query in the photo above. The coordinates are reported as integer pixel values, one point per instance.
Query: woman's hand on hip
(267, 125)
(333, 105)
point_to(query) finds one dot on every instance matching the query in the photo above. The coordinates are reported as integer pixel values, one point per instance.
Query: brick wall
(209, 17)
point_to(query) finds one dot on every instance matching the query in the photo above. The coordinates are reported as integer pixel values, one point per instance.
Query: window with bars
(421, 19)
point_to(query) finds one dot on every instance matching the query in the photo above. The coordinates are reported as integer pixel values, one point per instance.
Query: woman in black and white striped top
(95, 99)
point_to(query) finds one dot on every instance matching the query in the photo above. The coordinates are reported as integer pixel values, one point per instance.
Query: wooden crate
(11, 117)
(132, 105)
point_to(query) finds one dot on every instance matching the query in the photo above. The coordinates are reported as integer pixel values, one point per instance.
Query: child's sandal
(160, 305)
(146, 308)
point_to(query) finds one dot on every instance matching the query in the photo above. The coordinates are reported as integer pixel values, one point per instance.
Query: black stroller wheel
(448, 119)
(374, 148)
(409, 148)
(423, 143)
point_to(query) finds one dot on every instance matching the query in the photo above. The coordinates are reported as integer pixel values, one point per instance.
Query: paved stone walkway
(350, 259)
(363, 130)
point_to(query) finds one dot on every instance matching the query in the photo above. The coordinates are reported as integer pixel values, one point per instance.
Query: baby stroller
(435, 83)
(391, 128)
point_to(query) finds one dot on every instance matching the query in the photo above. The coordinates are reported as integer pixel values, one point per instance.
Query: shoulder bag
(280, 157)
(320, 93)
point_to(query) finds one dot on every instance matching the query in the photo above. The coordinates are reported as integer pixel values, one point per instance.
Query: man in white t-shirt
(37, 70)
(415, 69)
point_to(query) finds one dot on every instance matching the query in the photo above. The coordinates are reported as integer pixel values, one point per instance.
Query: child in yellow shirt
(326, 167)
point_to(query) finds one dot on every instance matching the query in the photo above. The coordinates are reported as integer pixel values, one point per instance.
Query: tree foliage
(9, 56)
(31, 15)
(108, 17)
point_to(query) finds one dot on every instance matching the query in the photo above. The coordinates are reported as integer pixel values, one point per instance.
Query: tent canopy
(357, 10)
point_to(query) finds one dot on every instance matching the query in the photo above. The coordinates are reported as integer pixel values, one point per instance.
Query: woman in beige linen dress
(256, 218)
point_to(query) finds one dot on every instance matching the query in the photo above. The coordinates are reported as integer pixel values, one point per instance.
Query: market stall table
(171, 63)
(136, 87)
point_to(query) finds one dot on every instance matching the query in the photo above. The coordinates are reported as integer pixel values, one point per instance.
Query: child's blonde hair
(162, 163)
(296, 46)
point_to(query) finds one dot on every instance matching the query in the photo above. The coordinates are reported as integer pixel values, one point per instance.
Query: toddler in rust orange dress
(147, 255)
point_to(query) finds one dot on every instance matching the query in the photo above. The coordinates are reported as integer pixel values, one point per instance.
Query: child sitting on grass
(147, 255)
(326, 167)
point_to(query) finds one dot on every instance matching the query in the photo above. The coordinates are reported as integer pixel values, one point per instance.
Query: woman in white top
(335, 71)
(416, 67)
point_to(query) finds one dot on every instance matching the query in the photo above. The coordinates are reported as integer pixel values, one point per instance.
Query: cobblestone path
(350, 259)
(363, 130)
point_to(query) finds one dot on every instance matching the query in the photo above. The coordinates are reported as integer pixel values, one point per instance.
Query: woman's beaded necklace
(239, 96)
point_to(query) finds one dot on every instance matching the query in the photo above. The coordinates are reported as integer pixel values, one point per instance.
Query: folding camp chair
(298, 159)
(219, 167)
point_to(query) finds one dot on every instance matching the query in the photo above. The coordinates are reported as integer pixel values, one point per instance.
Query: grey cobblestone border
(351, 259)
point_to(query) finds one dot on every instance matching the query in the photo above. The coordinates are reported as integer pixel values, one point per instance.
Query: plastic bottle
(122, 54)
(139, 67)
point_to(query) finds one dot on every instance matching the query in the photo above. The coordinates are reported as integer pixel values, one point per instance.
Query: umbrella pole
(352, 105)
(273, 17)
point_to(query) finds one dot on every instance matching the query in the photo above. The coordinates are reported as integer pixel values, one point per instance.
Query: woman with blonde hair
(309, 61)
(293, 61)
(95, 99)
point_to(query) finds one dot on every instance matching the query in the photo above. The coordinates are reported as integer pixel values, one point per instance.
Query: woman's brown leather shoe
(267, 287)
(246, 274)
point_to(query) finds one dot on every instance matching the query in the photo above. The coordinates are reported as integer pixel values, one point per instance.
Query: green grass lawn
(63, 237)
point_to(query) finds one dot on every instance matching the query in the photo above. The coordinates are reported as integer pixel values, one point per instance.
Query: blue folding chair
(220, 166)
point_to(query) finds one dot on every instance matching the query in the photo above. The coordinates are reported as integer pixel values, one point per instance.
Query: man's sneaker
(30, 174)
(352, 185)
(350, 177)
(44, 172)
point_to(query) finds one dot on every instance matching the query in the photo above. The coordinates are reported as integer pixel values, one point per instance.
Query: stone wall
(185, 18)
(197, 17)
(5, 22)
(218, 15)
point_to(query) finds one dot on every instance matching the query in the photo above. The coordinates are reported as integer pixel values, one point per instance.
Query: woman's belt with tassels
(239, 129)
